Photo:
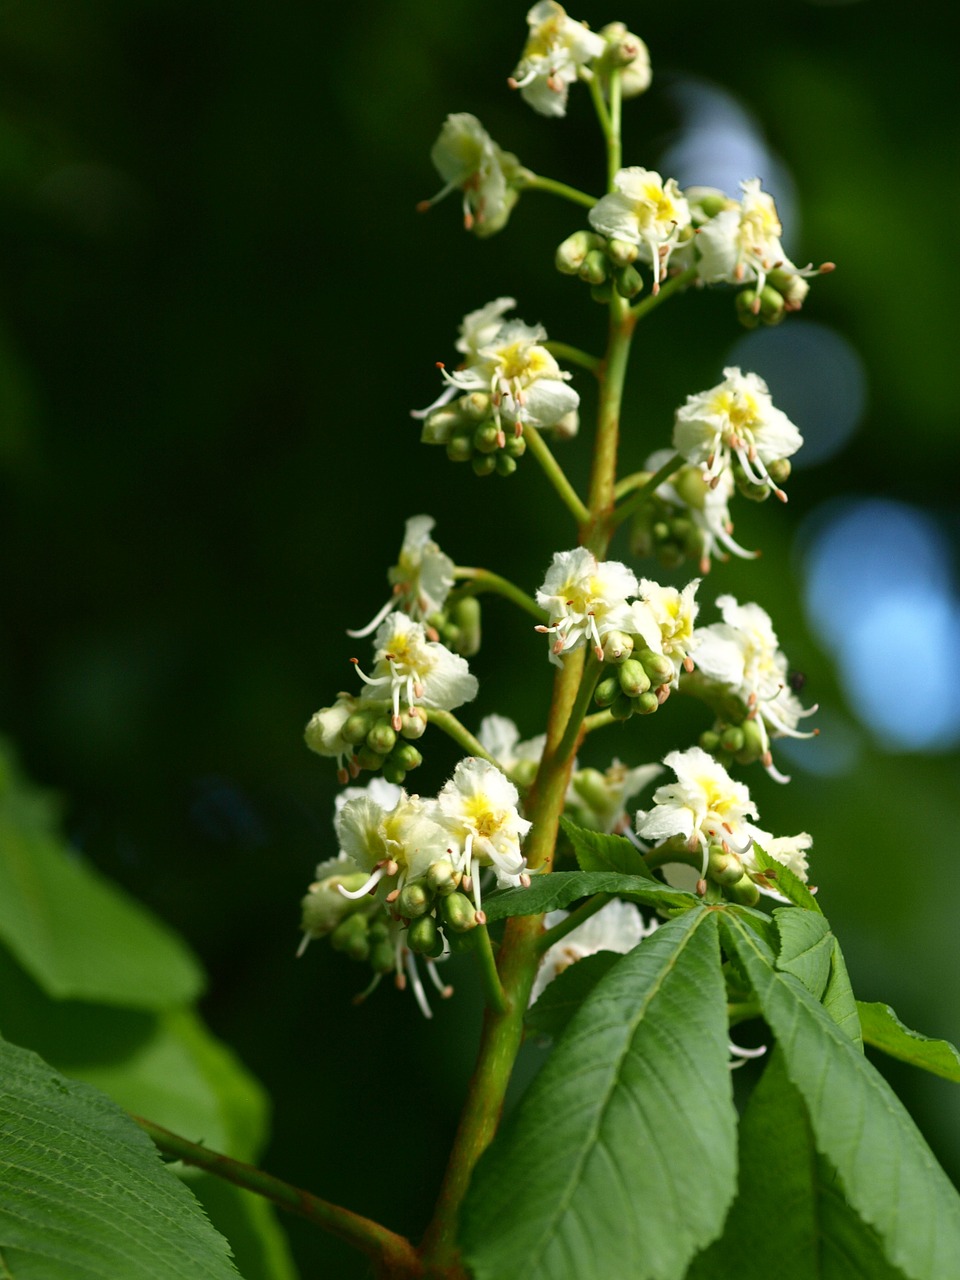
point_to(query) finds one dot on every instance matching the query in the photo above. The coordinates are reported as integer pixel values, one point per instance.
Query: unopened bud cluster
(605, 265)
(469, 432)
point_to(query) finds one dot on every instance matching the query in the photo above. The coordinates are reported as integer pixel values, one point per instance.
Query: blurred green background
(217, 306)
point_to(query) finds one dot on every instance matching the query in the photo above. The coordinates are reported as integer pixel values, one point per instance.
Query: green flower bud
(629, 282)
(506, 465)
(622, 253)
(475, 406)
(657, 666)
(524, 772)
(602, 293)
(439, 426)
(622, 707)
(460, 449)
(571, 253)
(324, 906)
(731, 740)
(594, 267)
(747, 308)
(406, 756)
(772, 306)
(606, 691)
(791, 286)
(484, 464)
(382, 737)
(414, 900)
(617, 646)
(744, 891)
(712, 205)
(368, 759)
(350, 937)
(515, 447)
(591, 786)
(413, 723)
(424, 937)
(356, 727)
(458, 912)
(393, 773)
(633, 679)
(724, 868)
(691, 486)
(382, 957)
(779, 470)
(752, 492)
(466, 614)
(442, 877)
(486, 437)
(709, 741)
(646, 704)
(753, 743)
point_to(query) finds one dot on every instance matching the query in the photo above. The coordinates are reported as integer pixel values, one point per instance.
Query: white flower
(501, 738)
(424, 672)
(524, 380)
(600, 799)
(631, 56)
(645, 211)
(704, 806)
(394, 844)
(706, 504)
(674, 613)
(323, 733)
(735, 417)
(743, 652)
(479, 808)
(791, 851)
(618, 927)
(557, 47)
(479, 328)
(585, 599)
(468, 159)
(421, 579)
(742, 243)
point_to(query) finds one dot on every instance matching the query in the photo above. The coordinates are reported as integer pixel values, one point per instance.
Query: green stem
(533, 181)
(661, 857)
(488, 969)
(461, 735)
(603, 116)
(614, 148)
(594, 533)
(646, 491)
(633, 481)
(571, 734)
(667, 290)
(599, 720)
(393, 1254)
(573, 921)
(479, 581)
(573, 355)
(743, 1011)
(555, 474)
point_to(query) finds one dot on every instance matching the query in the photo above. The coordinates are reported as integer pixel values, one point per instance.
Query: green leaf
(785, 881)
(838, 999)
(562, 997)
(882, 1029)
(166, 1066)
(808, 1232)
(806, 946)
(78, 935)
(596, 851)
(891, 1178)
(250, 1223)
(560, 888)
(620, 1159)
(83, 1193)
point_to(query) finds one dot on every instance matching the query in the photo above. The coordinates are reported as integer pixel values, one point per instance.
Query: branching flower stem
(392, 1255)
(573, 355)
(645, 492)
(492, 986)
(461, 735)
(479, 581)
(555, 473)
(533, 182)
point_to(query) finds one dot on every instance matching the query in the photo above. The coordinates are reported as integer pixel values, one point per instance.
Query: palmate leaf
(620, 1159)
(810, 951)
(891, 1179)
(76, 934)
(882, 1029)
(83, 1193)
(560, 888)
(790, 1218)
(562, 997)
(786, 882)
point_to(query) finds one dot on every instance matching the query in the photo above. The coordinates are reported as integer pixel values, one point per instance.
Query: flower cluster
(405, 864)
(469, 161)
